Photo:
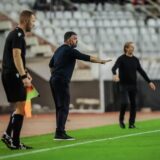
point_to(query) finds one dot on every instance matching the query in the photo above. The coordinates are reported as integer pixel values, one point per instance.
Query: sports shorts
(13, 86)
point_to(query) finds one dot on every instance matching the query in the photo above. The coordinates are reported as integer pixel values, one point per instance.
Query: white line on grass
(75, 144)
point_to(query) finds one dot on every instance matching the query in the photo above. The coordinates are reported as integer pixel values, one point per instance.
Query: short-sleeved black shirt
(15, 39)
(64, 60)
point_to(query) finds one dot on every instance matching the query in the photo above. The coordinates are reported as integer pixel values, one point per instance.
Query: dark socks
(10, 125)
(17, 125)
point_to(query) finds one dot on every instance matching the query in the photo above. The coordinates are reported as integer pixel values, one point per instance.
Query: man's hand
(152, 86)
(105, 61)
(29, 76)
(98, 60)
(27, 82)
(116, 78)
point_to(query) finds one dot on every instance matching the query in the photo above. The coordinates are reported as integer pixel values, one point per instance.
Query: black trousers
(128, 91)
(60, 92)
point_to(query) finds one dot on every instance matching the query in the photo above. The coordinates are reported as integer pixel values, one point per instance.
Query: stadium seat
(77, 15)
(41, 50)
(86, 15)
(39, 31)
(87, 103)
(84, 31)
(140, 23)
(106, 23)
(67, 15)
(40, 15)
(14, 15)
(123, 23)
(81, 23)
(31, 41)
(115, 23)
(5, 25)
(152, 23)
(72, 23)
(48, 31)
(64, 23)
(90, 23)
(131, 23)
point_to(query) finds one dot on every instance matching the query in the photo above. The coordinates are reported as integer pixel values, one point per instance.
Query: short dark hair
(25, 16)
(68, 34)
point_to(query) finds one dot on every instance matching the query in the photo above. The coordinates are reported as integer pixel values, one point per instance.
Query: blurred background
(103, 26)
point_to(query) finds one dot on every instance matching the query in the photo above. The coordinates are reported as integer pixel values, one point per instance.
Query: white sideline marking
(75, 144)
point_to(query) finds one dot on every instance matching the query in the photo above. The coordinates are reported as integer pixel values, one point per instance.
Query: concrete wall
(78, 89)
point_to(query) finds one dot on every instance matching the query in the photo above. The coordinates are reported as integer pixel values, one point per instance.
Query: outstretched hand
(105, 61)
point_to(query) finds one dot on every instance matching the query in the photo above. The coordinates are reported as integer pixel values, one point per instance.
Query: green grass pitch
(100, 143)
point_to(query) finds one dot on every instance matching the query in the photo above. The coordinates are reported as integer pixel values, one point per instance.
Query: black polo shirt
(64, 60)
(15, 39)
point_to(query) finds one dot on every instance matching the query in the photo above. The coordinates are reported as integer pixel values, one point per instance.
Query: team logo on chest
(19, 34)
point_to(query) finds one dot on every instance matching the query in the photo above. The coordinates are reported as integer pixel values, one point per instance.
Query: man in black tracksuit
(62, 65)
(128, 65)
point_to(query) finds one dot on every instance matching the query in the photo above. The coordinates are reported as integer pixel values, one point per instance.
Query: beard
(28, 28)
(74, 45)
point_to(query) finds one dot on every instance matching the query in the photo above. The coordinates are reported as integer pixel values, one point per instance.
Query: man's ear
(70, 41)
(26, 21)
(67, 41)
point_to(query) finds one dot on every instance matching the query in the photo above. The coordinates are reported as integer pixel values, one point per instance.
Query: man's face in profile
(73, 40)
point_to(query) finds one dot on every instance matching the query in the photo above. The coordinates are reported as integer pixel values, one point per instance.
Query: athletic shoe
(7, 140)
(132, 126)
(22, 146)
(63, 136)
(122, 125)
